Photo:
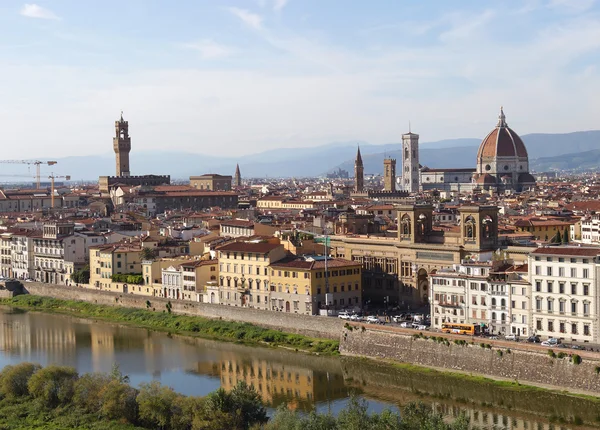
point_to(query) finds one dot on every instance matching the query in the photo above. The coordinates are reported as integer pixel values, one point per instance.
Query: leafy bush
(576, 359)
(551, 354)
(88, 390)
(132, 278)
(14, 379)
(53, 385)
(81, 276)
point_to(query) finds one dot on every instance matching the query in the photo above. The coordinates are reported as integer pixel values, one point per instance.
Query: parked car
(355, 317)
(551, 342)
(372, 319)
(423, 327)
(576, 347)
(533, 339)
(511, 337)
(406, 324)
(399, 318)
(344, 315)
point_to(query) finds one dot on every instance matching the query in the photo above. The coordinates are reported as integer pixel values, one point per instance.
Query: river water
(197, 367)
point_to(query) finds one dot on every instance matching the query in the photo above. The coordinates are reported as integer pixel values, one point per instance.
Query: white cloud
(309, 91)
(250, 19)
(35, 11)
(209, 49)
(575, 6)
(279, 4)
(464, 28)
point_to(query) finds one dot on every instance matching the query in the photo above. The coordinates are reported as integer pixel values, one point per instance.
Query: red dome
(502, 141)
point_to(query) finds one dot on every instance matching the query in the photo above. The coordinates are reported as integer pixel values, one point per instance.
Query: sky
(233, 77)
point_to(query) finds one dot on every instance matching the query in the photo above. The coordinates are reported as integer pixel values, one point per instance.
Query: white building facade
(564, 302)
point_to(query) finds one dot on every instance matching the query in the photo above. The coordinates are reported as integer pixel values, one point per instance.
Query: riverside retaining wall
(324, 327)
(525, 366)
(525, 363)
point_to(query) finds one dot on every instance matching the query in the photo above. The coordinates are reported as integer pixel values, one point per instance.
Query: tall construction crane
(37, 164)
(52, 178)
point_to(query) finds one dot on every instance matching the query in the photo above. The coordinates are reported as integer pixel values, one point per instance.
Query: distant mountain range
(546, 151)
(579, 161)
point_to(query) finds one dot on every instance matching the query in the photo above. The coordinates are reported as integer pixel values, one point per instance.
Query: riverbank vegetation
(164, 320)
(56, 397)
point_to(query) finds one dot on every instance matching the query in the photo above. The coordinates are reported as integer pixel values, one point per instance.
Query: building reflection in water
(492, 419)
(276, 382)
(277, 376)
(27, 337)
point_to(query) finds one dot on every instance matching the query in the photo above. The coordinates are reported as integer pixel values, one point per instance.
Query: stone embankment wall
(324, 327)
(525, 365)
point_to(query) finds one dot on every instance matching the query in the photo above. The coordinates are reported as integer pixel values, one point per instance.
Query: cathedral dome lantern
(502, 157)
(502, 141)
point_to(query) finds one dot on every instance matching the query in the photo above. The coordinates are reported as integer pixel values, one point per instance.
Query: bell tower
(410, 162)
(122, 146)
(359, 178)
(389, 174)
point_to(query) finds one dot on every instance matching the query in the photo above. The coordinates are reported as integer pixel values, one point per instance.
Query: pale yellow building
(306, 285)
(111, 259)
(244, 273)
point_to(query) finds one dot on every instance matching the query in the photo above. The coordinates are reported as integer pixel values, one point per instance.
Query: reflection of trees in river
(488, 404)
(280, 376)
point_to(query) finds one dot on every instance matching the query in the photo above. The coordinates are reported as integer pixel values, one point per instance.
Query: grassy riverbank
(177, 324)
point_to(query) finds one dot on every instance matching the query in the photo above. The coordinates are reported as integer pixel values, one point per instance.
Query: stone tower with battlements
(410, 162)
(122, 146)
(389, 174)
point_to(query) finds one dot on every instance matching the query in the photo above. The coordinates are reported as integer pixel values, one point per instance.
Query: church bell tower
(122, 146)
(410, 162)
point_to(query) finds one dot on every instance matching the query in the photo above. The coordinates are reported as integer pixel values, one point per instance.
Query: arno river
(197, 367)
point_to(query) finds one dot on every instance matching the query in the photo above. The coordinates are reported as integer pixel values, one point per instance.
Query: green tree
(117, 375)
(155, 403)
(88, 390)
(354, 416)
(119, 401)
(246, 402)
(185, 410)
(148, 253)
(14, 379)
(53, 385)
(242, 408)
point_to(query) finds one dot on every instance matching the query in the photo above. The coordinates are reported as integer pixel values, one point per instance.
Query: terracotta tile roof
(198, 263)
(260, 248)
(238, 223)
(568, 250)
(300, 263)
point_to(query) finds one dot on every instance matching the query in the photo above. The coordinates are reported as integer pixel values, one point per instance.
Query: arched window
(487, 224)
(422, 225)
(470, 228)
(405, 226)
